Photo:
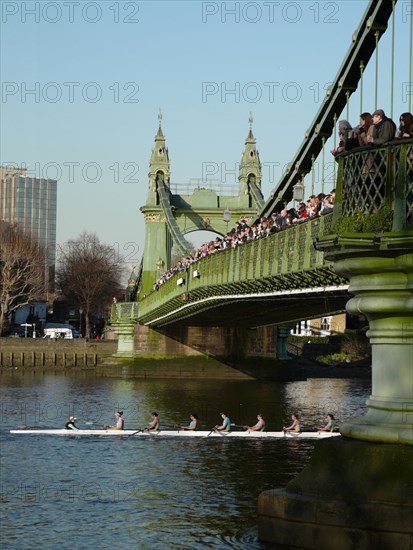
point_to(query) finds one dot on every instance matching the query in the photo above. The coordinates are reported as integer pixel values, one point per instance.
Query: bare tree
(89, 273)
(22, 271)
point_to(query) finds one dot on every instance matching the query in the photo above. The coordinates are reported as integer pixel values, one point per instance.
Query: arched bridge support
(215, 352)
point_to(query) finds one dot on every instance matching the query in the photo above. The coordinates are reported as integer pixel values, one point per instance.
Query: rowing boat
(178, 433)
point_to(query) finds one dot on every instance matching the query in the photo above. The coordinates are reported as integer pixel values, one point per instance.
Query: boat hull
(177, 433)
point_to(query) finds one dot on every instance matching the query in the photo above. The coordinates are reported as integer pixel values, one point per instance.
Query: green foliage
(356, 344)
(365, 223)
(309, 339)
(333, 358)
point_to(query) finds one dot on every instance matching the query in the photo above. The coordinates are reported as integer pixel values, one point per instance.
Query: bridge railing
(123, 311)
(287, 257)
(370, 179)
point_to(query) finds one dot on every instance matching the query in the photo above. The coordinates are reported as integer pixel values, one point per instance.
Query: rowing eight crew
(225, 426)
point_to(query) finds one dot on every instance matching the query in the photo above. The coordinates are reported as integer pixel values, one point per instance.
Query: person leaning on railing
(358, 136)
(344, 127)
(405, 130)
(384, 128)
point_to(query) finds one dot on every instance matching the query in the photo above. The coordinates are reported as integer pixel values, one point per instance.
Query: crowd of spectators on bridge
(316, 205)
(373, 129)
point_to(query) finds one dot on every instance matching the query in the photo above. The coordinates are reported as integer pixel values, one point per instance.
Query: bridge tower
(157, 240)
(174, 210)
(250, 166)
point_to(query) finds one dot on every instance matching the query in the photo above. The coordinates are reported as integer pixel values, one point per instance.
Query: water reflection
(152, 493)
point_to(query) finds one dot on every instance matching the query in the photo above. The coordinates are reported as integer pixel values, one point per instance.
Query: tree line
(88, 273)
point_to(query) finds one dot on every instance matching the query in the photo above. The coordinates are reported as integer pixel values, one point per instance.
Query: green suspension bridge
(362, 249)
(283, 270)
(355, 493)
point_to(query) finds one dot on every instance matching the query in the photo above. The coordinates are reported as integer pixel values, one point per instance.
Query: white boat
(177, 433)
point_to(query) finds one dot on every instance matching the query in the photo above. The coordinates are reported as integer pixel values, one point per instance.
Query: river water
(151, 493)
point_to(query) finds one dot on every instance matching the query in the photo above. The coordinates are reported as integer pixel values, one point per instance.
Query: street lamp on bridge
(227, 216)
(298, 191)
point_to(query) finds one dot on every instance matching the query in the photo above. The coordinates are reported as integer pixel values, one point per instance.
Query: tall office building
(31, 204)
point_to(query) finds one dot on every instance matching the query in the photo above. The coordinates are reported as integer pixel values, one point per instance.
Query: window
(325, 325)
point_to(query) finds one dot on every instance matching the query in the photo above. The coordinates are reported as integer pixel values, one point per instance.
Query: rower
(120, 423)
(295, 426)
(70, 424)
(329, 427)
(226, 423)
(193, 424)
(154, 426)
(260, 426)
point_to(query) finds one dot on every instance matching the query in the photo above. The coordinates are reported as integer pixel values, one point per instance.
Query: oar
(221, 432)
(134, 433)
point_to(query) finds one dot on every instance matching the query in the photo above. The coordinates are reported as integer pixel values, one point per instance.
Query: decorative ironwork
(205, 222)
(281, 237)
(369, 180)
(287, 261)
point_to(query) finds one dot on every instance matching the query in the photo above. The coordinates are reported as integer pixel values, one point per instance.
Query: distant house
(323, 326)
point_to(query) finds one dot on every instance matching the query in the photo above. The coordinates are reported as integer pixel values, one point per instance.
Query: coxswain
(70, 424)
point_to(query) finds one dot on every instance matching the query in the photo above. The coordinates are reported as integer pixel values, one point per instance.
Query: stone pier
(357, 490)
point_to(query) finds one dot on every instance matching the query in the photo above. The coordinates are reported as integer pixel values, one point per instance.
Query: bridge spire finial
(160, 117)
(250, 134)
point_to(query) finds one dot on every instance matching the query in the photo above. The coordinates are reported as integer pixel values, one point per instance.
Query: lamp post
(227, 216)
(298, 192)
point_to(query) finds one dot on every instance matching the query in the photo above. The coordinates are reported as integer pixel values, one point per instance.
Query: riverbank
(42, 356)
(49, 355)
(356, 369)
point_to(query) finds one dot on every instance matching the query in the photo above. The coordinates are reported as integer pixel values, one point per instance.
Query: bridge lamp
(227, 216)
(298, 192)
(180, 281)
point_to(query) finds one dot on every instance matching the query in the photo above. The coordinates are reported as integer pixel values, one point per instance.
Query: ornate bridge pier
(357, 491)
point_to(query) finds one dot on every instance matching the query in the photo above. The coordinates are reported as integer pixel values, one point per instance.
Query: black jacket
(384, 131)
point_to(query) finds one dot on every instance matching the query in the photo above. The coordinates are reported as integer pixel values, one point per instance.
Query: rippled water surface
(60, 492)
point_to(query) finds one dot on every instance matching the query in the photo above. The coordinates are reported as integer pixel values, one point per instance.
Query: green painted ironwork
(275, 264)
(287, 261)
(374, 178)
(173, 211)
(372, 26)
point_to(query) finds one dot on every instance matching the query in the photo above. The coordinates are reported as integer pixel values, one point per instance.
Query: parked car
(58, 332)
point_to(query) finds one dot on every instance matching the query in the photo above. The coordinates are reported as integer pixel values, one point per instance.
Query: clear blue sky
(100, 71)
